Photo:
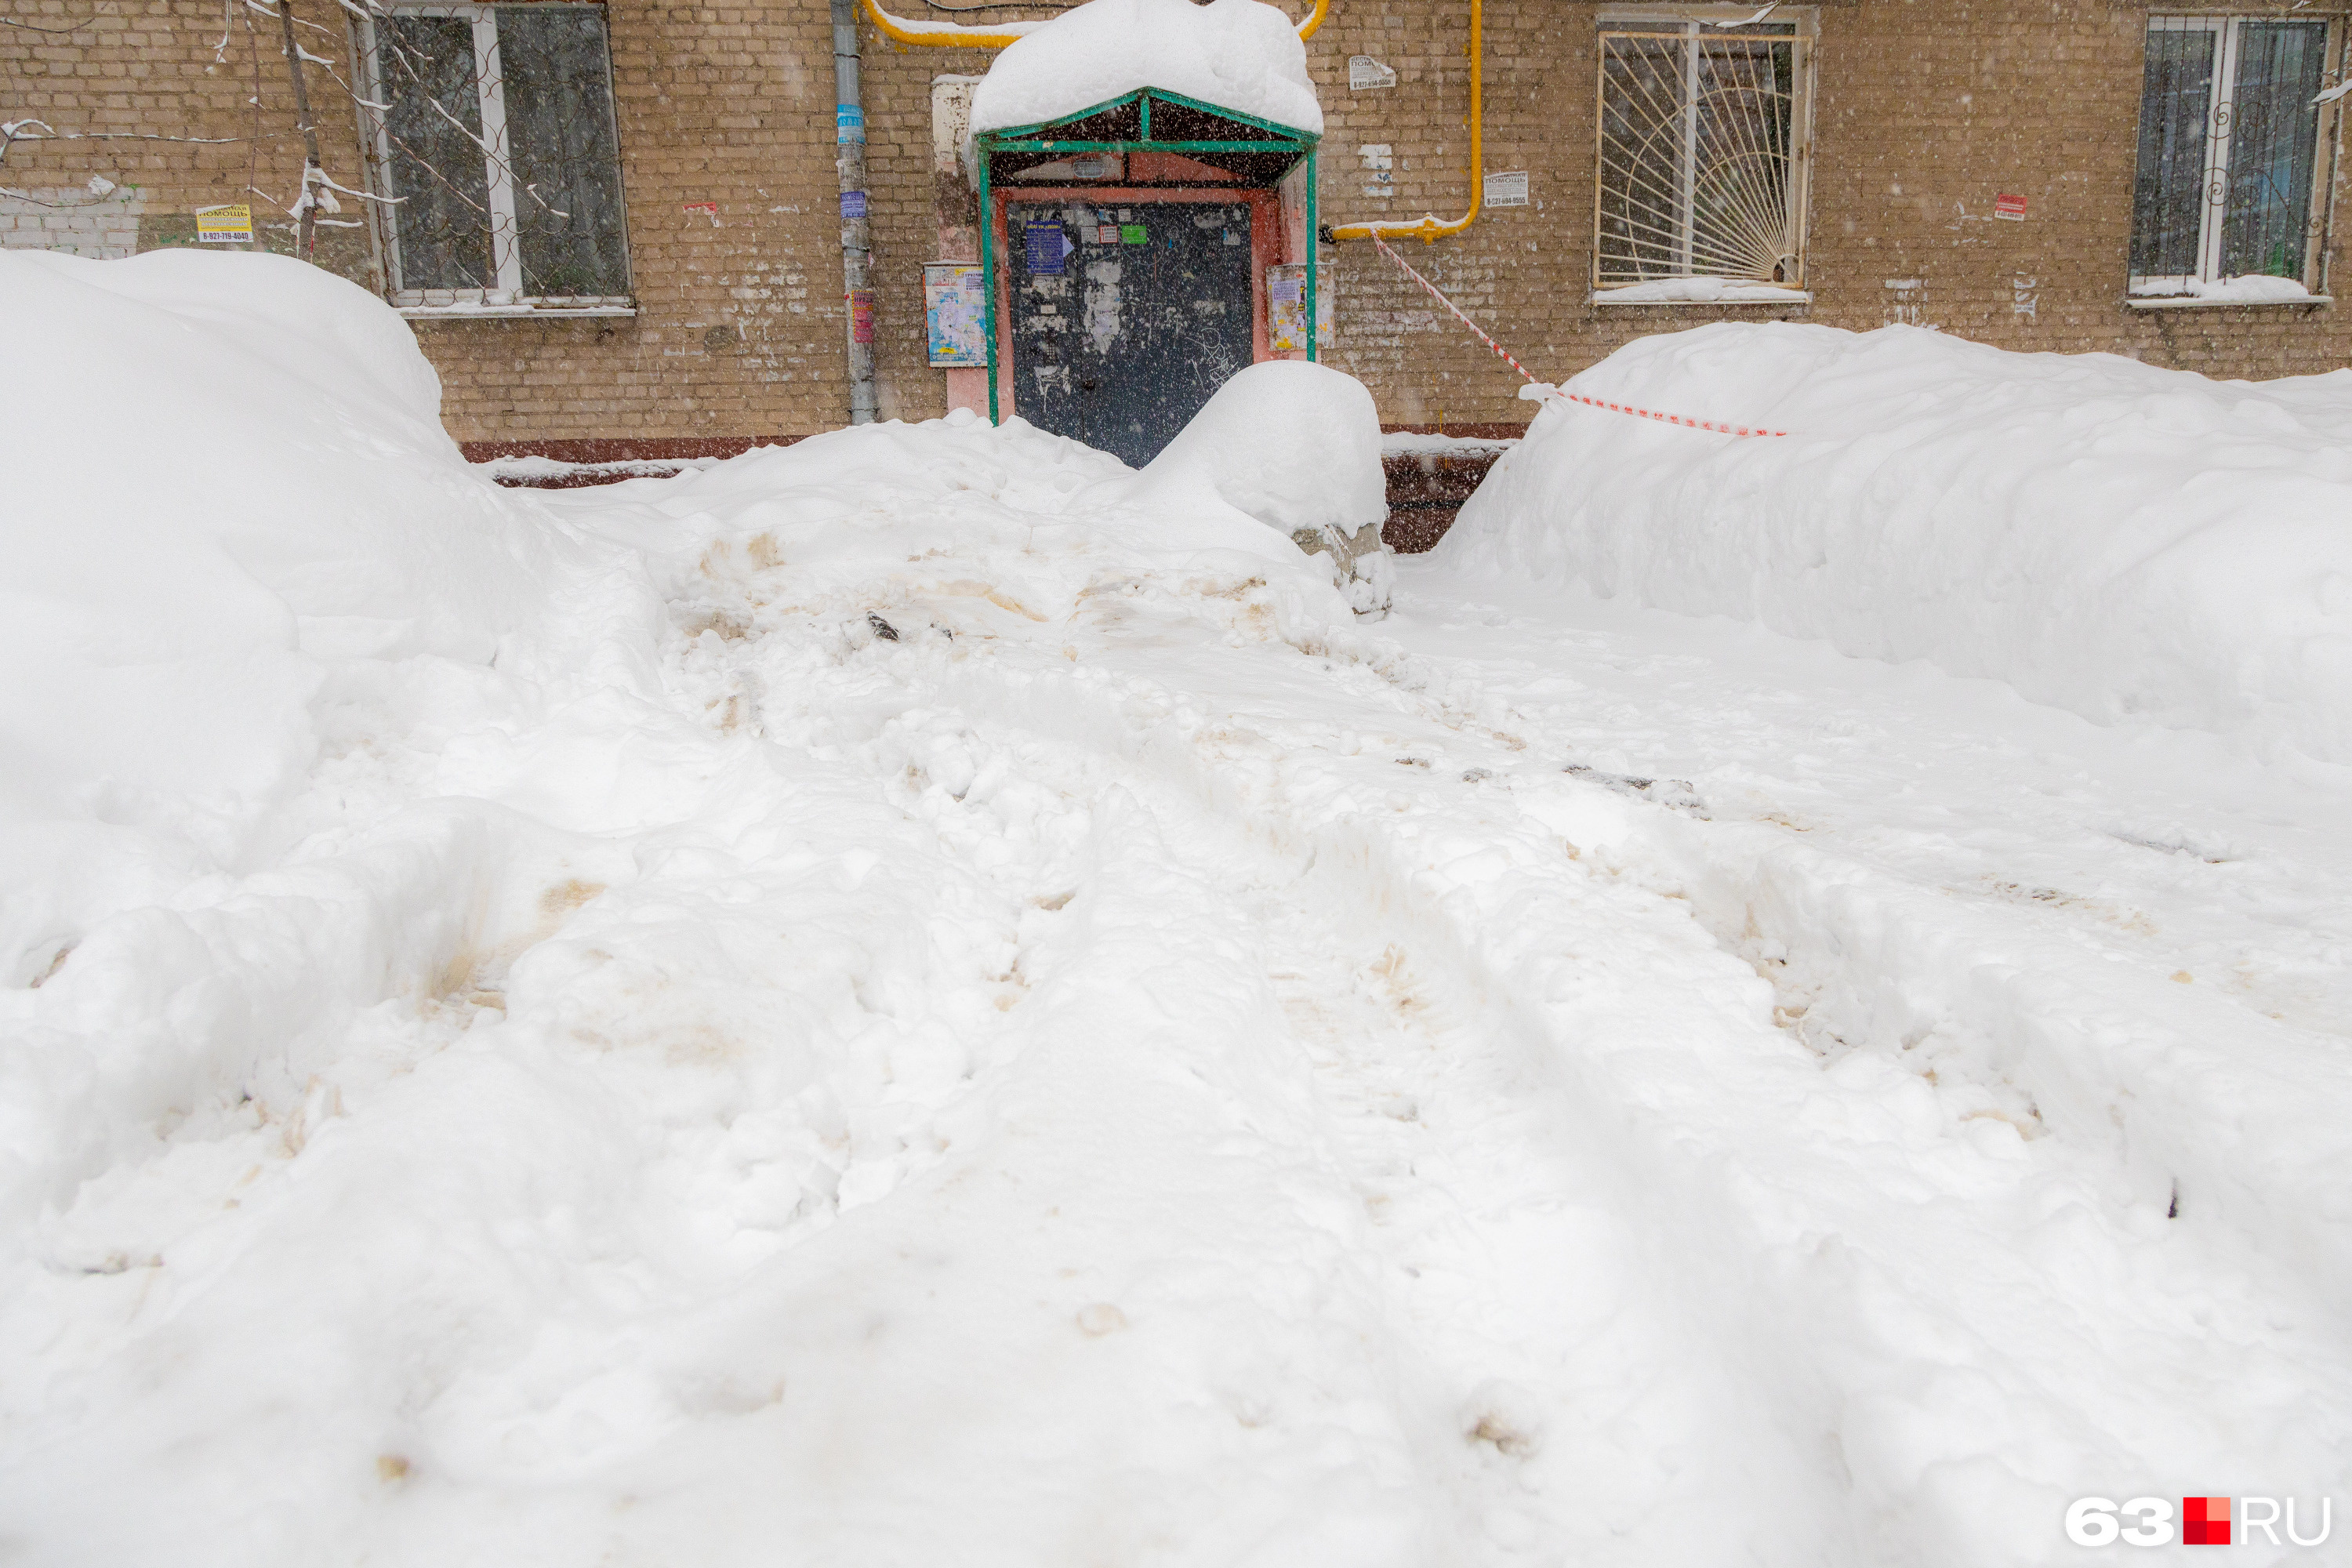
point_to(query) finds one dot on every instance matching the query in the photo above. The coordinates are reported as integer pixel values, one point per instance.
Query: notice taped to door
(955, 310)
(1047, 244)
(1286, 307)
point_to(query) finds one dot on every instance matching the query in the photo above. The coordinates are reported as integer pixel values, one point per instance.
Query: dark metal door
(1125, 315)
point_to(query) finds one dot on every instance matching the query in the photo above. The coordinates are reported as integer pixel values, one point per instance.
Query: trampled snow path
(966, 1046)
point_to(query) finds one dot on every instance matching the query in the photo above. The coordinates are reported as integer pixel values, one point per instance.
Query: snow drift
(2107, 537)
(252, 589)
(226, 474)
(426, 928)
(1237, 53)
(1289, 445)
(920, 1013)
(234, 526)
(1293, 445)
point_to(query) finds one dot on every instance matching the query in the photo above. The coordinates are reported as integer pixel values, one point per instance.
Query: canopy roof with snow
(1258, 151)
(1239, 56)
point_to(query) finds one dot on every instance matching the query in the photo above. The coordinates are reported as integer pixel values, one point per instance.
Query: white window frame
(506, 297)
(1689, 22)
(2158, 290)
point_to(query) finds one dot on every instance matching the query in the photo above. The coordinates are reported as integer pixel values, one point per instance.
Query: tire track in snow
(1848, 1321)
(1897, 1327)
(1506, 1288)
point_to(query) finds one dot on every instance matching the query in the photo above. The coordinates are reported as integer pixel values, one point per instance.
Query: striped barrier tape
(1684, 420)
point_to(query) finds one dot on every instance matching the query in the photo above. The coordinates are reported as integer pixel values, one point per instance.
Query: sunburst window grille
(1702, 154)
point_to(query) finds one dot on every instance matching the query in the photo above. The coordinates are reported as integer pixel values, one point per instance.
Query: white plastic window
(2231, 139)
(495, 132)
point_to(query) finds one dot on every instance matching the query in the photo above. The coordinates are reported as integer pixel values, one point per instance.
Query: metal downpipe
(856, 232)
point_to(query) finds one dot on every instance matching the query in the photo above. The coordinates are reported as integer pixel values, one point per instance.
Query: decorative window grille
(493, 127)
(2230, 178)
(1702, 135)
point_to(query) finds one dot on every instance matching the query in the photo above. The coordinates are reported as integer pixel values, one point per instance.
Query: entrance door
(1125, 315)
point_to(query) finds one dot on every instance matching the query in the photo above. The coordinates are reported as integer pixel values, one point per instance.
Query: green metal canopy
(1151, 120)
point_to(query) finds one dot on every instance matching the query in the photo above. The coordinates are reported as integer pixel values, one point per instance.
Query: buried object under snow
(1295, 446)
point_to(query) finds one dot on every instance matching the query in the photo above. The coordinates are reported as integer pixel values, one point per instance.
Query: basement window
(494, 130)
(1705, 124)
(2231, 198)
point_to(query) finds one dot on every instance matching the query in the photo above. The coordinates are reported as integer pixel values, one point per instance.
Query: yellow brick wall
(1924, 112)
(166, 92)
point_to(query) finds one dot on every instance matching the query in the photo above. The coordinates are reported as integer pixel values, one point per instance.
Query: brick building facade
(1923, 113)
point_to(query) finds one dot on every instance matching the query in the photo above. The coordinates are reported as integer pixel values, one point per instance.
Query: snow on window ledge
(1701, 292)
(520, 310)
(1415, 443)
(2246, 289)
(2222, 301)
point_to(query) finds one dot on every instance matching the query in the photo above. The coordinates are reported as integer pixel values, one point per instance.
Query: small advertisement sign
(1507, 190)
(2009, 207)
(225, 225)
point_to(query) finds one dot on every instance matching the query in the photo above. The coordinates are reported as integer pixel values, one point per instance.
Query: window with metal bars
(2233, 179)
(1703, 123)
(494, 130)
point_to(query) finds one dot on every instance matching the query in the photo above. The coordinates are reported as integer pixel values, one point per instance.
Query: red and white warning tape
(1681, 419)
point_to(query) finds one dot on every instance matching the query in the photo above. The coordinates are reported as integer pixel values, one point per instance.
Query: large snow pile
(2108, 537)
(1236, 54)
(458, 958)
(232, 516)
(1293, 445)
(1286, 446)
(223, 475)
(921, 998)
(227, 481)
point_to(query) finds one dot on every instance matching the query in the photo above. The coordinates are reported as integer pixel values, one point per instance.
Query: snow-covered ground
(915, 1010)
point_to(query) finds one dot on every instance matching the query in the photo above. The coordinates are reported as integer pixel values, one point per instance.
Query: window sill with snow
(515, 310)
(2222, 301)
(1700, 291)
(2193, 293)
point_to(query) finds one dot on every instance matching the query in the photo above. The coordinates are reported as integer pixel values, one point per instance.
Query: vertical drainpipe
(856, 235)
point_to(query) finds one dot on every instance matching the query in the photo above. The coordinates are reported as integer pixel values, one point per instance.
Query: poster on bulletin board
(955, 309)
(1286, 307)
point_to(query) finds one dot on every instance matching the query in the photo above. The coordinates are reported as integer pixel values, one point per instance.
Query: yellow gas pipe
(1429, 228)
(956, 35)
